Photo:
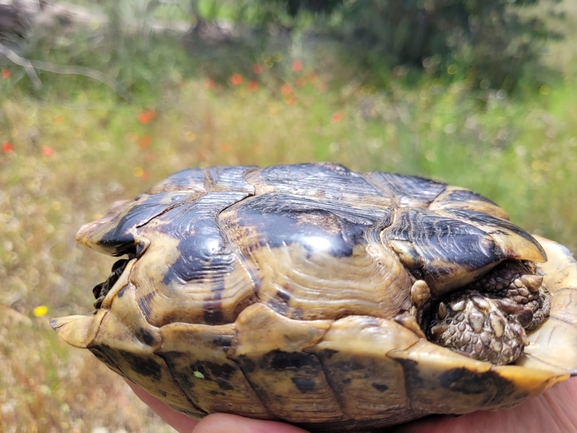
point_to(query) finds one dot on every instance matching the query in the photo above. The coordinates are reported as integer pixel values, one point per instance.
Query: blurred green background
(99, 100)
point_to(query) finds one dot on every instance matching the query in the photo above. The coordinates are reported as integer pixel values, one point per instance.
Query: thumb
(226, 423)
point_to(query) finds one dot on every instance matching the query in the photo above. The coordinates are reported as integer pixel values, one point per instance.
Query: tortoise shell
(327, 298)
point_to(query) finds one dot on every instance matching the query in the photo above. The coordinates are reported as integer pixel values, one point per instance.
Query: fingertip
(179, 421)
(226, 423)
(214, 423)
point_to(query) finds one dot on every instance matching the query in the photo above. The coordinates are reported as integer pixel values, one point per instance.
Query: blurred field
(64, 160)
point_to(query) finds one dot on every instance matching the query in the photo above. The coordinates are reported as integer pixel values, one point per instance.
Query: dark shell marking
(284, 291)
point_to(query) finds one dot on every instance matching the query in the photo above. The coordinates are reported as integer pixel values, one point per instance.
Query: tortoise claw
(410, 322)
(438, 330)
(532, 282)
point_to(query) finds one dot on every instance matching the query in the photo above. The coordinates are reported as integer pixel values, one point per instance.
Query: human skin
(554, 411)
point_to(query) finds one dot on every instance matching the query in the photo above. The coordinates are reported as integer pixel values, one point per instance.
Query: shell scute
(126, 343)
(407, 191)
(445, 252)
(459, 198)
(230, 179)
(269, 349)
(278, 220)
(191, 180)
(353, 353)
(205, 374)
(513, 241)
(116, 232)
(327, 182)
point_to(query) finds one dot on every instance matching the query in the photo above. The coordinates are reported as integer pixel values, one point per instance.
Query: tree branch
(31, 65)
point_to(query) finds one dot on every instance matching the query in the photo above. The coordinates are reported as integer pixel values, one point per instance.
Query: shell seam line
(168, 209)
(175, 381)
(421, 264)
(336, 395)
(571, 371)
(407, 402)
(562, 319)
(565, 289)
(233, 246)
(97, 332)
(445, 186)
(129, 281)
(245, 376)
(207, 180)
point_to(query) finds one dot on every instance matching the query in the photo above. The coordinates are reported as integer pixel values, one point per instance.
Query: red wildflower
(252, 86)
(5, 73)
(337, 117)
(144, 141)
(236, 79)
(147, 116)
(7, 147)
(47, 151)
(297, 65)
(257, 68)
(286, 89)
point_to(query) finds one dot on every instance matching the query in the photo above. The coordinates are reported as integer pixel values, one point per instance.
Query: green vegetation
(72, 147)
(484, 43)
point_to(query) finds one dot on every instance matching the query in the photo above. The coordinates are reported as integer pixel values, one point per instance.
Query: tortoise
(326, 298)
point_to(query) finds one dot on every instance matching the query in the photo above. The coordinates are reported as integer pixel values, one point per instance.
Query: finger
(552, 411)
(226, 423)
(472, 423)
(178, 420)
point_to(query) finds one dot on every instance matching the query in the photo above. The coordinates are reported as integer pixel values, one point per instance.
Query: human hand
(215, 423)
(554, 411)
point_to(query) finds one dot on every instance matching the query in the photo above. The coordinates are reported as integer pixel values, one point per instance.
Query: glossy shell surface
(272, 293)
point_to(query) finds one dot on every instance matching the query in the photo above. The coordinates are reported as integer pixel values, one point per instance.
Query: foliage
(62, 163)
(118, 45)
(490, 43)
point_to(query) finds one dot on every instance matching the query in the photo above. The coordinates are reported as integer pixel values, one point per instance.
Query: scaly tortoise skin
(326, 298)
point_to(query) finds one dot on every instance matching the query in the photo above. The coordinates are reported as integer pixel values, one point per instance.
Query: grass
(65, 159)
